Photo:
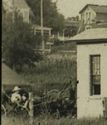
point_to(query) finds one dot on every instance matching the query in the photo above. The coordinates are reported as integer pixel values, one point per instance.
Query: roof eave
(88, 41)
(101, 12)
(83, 8)
(91, 41)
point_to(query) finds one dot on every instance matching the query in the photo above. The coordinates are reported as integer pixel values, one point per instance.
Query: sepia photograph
(53, 63)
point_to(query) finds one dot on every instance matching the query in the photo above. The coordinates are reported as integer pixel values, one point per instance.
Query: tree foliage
(50, 13)
(18, 42)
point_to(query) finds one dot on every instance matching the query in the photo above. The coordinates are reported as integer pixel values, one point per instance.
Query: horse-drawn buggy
(15, 100)
(19, 100)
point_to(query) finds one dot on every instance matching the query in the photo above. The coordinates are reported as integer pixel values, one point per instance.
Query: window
(95, 75)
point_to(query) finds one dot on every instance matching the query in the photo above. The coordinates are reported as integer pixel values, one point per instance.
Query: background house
(71, 26)
(19, 6)
(91, 72)
(47, 36)
(93, 14)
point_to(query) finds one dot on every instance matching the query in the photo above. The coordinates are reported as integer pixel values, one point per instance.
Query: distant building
(93, 14)
(71, 26)
(37, 30)
(47, 35)
(72, 21)
(91, 73)
(70, 29)
(19, 6)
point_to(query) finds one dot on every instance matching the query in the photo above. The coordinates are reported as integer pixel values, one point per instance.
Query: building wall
(88, 15)
(101, 17)
(90, 106)
(11, 6)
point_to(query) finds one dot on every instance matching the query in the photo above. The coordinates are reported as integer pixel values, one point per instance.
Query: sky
(71, 8)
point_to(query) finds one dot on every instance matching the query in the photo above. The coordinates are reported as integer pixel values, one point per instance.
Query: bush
(18, 43)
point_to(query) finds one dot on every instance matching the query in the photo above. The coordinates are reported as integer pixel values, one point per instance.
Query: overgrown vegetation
(18, 42)
(63, 46)
(51, 73)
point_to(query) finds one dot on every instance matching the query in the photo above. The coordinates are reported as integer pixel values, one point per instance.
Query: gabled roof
(96, 8)
(91, 35)
(21, 4)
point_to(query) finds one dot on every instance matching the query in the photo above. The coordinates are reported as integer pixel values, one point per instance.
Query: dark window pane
(96, 79)
(97, 89)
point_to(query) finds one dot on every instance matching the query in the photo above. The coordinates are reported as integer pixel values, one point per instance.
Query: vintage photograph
(54, 57)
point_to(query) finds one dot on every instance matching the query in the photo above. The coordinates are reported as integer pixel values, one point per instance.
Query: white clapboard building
(92, 73)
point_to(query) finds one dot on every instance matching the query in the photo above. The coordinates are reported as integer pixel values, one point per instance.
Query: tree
(18, 42)
(51, 16)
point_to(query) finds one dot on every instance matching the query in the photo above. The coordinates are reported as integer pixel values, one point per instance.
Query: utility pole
(13, 11)
(42, 30)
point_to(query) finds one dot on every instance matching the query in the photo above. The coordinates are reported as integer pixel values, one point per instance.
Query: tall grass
(51, 73)
(51, 121)
(63, 46)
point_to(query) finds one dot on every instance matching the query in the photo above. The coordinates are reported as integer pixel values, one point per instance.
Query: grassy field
(50, 121)
(51, 73)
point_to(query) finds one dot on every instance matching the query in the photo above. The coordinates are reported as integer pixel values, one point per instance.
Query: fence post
(31, 108)
(105, 107)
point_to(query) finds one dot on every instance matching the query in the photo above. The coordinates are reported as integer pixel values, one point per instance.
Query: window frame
(92, 91)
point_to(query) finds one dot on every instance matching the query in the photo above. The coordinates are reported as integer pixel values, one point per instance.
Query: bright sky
(71, 8)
